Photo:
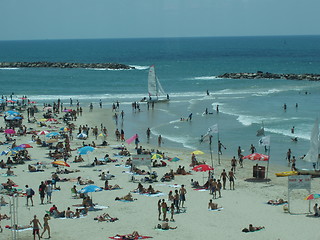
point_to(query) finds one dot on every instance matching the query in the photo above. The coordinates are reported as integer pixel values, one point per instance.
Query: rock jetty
(63, 65)
(267, 75)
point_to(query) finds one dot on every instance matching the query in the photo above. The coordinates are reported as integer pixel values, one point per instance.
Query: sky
(87, 19)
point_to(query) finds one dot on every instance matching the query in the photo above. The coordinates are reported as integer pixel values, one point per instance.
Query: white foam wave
(284, 132)
(137, 67)
(9, 68)
(205, 78)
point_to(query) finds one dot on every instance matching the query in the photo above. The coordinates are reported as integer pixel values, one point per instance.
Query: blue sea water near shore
(186, 67)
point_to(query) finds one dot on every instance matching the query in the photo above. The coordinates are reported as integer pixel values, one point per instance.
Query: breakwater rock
(266, 75)
(63, 65)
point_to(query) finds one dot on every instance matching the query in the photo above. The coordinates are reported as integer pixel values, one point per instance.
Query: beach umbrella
(82, 135)
(197, 152)
(9, 131)
(47, 108)
(4, 153)
(65, 129)
(17, 118)
(312, 196)
(52, 120)
(175, 159)
(17, 148)
(42, 133)
(85, 150)
(257, 156)
(61, 163)
(202, 168)
(25, 146)
(11, 112)
(90, 188)
(157, 156)
(67, 110)
(52, 140)
(13, 152)
(53, 134)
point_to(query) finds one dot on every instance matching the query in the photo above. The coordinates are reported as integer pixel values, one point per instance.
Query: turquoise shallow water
(186, 68)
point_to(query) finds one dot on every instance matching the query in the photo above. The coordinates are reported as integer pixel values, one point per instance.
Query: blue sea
(187, 68)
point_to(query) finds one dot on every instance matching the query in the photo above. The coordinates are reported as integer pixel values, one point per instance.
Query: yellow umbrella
(156, 156)
(197, 152)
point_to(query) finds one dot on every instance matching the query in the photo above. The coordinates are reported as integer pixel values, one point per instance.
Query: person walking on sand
(159, 209)
(172, 211)
(164, 209)
(182, 193)
(224, 178)
(29, 193)
(36, 226)
(49, 192)
(42, 192)
(231, 179)
(233, 163)
(46, 226)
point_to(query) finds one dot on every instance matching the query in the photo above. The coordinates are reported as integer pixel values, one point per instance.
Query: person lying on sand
(165, 225)
(110, 187)
(277, 202)
(105, 218)
(252, 228)
(127, 197)
(132, 236)
(150, 190)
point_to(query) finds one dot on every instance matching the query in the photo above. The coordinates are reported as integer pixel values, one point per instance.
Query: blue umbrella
(11, 112)
(4, 153)
(85, 150)
(90, 188)
(17, 149)
(53, 134)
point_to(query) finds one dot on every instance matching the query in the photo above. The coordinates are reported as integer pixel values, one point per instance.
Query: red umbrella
(51, 120)
(202, 168)
(10, 131)
(61, 163)
(257, 156)
(25, 146)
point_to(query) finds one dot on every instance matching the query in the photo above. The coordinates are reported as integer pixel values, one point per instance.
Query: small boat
(155, 90)
(285, 174)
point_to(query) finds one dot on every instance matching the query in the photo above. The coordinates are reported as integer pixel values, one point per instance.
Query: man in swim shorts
(36, 226)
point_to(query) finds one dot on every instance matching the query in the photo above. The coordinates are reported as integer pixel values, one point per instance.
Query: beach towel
(122, 200)
(124, 237)
(174, 185)
(201, 189)
(216, 210)
(153, 195)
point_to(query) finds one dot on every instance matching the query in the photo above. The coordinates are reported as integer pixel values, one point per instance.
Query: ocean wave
(205, 78)
(285, 132)
(9, 68)
(137, 67)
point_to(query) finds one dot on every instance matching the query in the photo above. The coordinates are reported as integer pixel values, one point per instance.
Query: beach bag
(32, 192)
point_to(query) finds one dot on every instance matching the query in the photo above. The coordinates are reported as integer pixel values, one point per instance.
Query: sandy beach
(245, 205)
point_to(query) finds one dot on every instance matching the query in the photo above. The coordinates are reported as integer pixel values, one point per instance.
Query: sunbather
(127, 197)
(105, 217)
(277, 202)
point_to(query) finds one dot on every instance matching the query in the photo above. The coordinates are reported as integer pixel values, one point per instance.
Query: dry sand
(242, 206)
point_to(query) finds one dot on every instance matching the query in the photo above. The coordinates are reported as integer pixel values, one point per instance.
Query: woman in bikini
(46, 226)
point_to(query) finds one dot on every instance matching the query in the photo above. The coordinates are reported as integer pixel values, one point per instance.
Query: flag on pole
(211, 130)
(264, 141)
(130, 140)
